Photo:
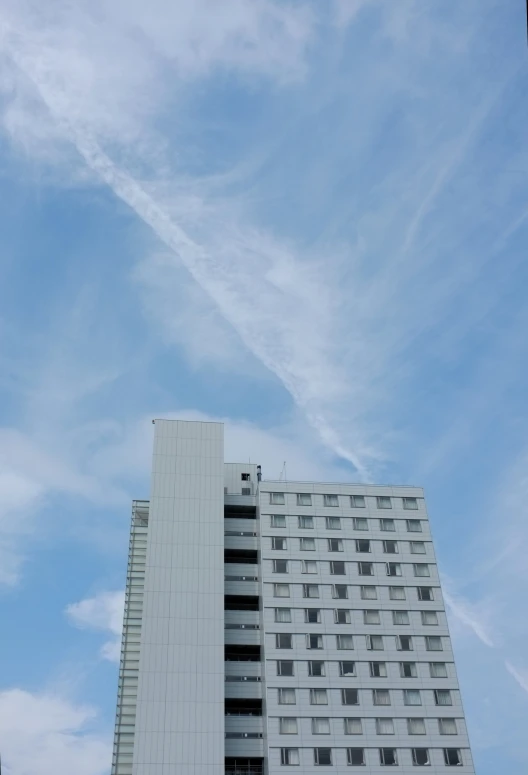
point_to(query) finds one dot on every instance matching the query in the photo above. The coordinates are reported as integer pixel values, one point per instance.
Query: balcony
(243, 766)
(236, 653)
(240, 603)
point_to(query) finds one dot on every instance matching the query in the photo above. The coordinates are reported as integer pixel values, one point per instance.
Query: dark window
(347, 668)
(283, 640)
(362, 545)
(420, 756)
(388, 756)
(312, 615)
(337, 568)
(245, 477)
(316, 669)
(365, 569)
(425, 593)
(323, 756)
(349, 697)
(452, 757)
(285, 668)
(355, 756)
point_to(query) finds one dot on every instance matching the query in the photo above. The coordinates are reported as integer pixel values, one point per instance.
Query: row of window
(361, 545)
(355, 501)
(382, 697)
(370, 616)
(334, 523)
(338, 567)
(354, 726)
(340, 592)
(347, 669)
(373, 642)
(356, 756)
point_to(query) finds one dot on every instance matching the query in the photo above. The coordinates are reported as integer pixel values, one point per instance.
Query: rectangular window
(280, 566)
(410, 503)
(414, 526)
(314, 641)
(353, 726)
(333, 523)
(337, 568)
(316, 669)
(417, 547)
(287, 697)
(355, 757)
(344, 642)
(318, 697)
(425, 593)
(383, 502)
(307, 544)
(357, 501)
(421, 569)
(312, 615)
(277, 498)
(371, 617)
(408, 670)
(320, 726)
(283, 641)
(368, 593)
(438, 669)
(246, 491)
(283, 615)
(278, 543)
(290, 756)
(349, 697)
(362, 545)
(245, 477)
(306, 523)
(285, 668)
(393, 569)
(374, 642)
(400, 617)
(447, 726)
(397, 593)
(429, 618)
(404, 643)
(304, 499)
(384, 726)
(442, 697)
(420, 756)
(378, 669)
(342, 616)
(340, 591)
(365, 568)
(390, 547)
(387, 525)
(452, 757)
(347, 669)
(309, 566)
(288, 726)
(360, 523)
(411, 697)
(281, 590)
(330, 500)
(310, 590)
(278, 520)
(381, 697)
(335, 544)
(388, 756)
(416, 726)
(433, 643)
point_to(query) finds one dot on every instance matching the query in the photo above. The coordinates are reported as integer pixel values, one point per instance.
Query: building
(281, 627)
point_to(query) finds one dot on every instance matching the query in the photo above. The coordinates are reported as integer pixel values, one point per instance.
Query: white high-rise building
(281, 627)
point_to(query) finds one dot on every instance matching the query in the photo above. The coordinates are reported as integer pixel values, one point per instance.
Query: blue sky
(307, 219)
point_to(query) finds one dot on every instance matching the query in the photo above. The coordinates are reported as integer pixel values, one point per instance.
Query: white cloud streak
(521, 676)
(104, 613)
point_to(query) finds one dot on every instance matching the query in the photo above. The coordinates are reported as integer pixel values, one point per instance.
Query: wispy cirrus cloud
(103, 612)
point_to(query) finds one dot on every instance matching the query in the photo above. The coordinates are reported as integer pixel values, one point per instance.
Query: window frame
(407, 501)
(275, 540)
(304, 495)
(286, 691)
(383, 524)
(416, 763)
(379, 667)
(328, 501)
(337, 564)
(279, 636)
(347, 674)
(349, 692)
(360, 504)
(341, 638)
(351, 754)
(333, 523)
(318, 754)
(307, 589)
(305, 517)
(278, 564)
(303, 547)
(279, 668)
(362, 566)
(275, 499)
(383, 752)
(275, 524)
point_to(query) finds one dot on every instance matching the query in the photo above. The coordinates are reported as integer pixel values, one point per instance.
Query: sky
(306, 219)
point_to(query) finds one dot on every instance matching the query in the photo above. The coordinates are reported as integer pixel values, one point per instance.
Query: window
(306, 523)
(429, 617)
(384, 726)
(438, 669)
(304, 499)
(312, 615)
(342, 616)
(349, 697)
(381, 697)
(357, 501)
(390, 547)
(333, 523)
(278, 543)
(246, 491)
(283, 615)
(347, 669)
(277, 498)
(335, 544)
(318, 697)
(245, 477)
(371, 617)
(388, 756)
(411, 697)
(288, 726)
(400, 617)
(410, 503)
(417, 547)
(314, 641)
(330, 500)
(310, 590)
(340, 591)
(355, 756)
(344, 642)
(383, 502)
(433, 643)
(309, 566)
(316, 669)
(387, 525)
(353, 726)
(281, 590)
(378, 669)
(414, 526)
(374, 642)
(280, 566)
(320, 726)
(425, 593)
(420, 756)
(397, 593)
(362, 545)
(365, 568)
(307, 544)
(452, 757)
(287, 697)
(408, 670)
(278, 520)
(290, 756)
(369, 593)
(421, 569)
(447, 726)
(337, 568)
(416, 726)
(360, 523)
(442, 697)
(393, 569)
(404, 643)
(283, 641)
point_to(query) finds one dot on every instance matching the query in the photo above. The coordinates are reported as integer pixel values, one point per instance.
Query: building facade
(281, 627)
